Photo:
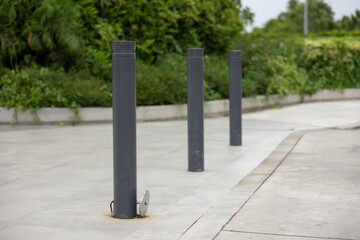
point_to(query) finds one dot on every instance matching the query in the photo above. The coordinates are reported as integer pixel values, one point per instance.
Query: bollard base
(195, 170)
(124, 216)
(235, 144)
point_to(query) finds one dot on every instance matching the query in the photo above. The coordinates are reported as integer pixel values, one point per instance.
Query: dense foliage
(78, 34)
(40, 32)
(271, 66)
(36, 87)
(285, 65)
(58, 53)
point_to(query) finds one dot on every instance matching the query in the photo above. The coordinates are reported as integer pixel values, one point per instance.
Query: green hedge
(37, 87)
(270, 66)
(284, 65)
(161, 83)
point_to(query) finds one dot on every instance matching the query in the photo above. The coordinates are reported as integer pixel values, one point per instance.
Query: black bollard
(235, 96)
(124, 128)
(195, 105)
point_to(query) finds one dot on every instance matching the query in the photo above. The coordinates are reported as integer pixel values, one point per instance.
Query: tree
(350, 23)
(321, 18)
(69, 33)
(42, 31)
(247, 16)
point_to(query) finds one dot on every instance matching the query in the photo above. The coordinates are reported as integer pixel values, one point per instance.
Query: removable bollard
(235, 96)
(124, 128)
(195, 109)
(143, 204)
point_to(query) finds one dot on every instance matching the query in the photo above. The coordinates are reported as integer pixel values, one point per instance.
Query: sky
(267, 9)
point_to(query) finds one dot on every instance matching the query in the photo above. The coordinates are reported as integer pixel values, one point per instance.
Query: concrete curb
(165, 112)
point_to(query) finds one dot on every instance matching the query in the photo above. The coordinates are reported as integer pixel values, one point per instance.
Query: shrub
(163, 82)
(285, 65)
(284, 77)
(270, 66)
(37, 87)
(166, 81)
(216, 77)
(31, 88)
(332, 64)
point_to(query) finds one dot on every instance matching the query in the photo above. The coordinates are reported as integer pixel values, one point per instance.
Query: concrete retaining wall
(165, 112)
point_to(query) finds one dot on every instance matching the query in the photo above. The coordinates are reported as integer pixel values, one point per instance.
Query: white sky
(267, 9)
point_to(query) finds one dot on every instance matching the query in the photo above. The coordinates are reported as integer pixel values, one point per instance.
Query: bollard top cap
(235, 53)
(123, 46)
(195, 52)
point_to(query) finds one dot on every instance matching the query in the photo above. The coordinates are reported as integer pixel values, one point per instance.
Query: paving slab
(56, 182)
(324, 114)
(231, 235)
(213, 220)
(314, 193)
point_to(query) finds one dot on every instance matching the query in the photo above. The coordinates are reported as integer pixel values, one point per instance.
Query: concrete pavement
(56, 182)
(314, 193)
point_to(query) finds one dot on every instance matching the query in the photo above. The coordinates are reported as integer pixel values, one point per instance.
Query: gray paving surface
(314, 193)
(56, 182)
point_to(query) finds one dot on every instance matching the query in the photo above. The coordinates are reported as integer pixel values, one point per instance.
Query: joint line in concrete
(287, 235)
